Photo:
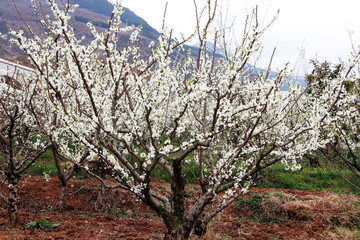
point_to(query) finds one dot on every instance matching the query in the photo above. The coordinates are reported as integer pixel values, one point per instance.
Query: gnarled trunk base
(200, 227)
(12, 214)
(177, 233)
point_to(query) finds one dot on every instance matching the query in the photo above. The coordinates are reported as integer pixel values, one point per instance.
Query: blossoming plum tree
(344, 128)
(171, 111)
(20, 143)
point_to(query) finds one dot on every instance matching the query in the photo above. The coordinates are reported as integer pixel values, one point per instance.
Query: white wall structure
(12, 69)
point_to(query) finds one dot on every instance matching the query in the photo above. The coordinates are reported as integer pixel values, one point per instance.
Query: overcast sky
(307, 29)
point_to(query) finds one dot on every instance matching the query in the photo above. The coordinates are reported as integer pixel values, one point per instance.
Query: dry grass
(325, 216)
(331, 209)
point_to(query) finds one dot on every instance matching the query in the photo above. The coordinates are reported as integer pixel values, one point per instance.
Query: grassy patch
(42, 167)
(323, 179)
(47, 156)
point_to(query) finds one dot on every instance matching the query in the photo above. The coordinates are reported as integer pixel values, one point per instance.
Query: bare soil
(93, 212)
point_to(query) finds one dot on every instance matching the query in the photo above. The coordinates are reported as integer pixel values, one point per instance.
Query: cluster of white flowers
(151, 108)
(47, 177)
(138, 188)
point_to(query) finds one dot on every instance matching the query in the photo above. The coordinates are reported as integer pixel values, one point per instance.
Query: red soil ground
(95, 213)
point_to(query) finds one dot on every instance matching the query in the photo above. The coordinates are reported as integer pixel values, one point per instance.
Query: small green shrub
(43, 224)
(253, 203)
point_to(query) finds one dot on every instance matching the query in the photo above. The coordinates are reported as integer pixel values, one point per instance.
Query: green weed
(86, 214)
(119, 212)
(43, 224)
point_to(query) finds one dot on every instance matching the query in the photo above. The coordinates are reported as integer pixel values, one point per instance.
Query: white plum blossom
(174, 111)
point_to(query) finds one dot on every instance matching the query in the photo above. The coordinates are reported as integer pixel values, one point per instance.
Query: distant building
(12, 69)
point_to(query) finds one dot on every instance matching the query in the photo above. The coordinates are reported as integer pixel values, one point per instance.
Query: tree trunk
(177, 232)
(63, 194)
(178, 228)
(12, 217)
(200, 227)
(63, 179)
(314, 160)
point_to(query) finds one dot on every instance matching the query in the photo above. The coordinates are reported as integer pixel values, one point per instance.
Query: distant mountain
(96, 11)
(128, 17)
